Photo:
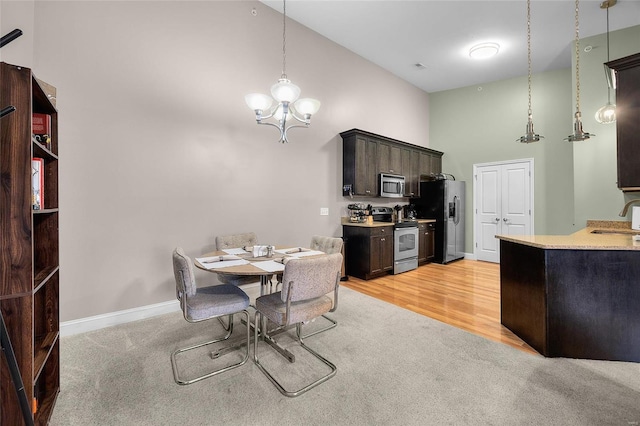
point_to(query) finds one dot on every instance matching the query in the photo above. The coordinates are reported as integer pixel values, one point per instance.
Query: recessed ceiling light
(484, 50)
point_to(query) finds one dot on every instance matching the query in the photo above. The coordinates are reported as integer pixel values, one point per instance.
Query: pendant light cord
(608, 59)
(529, 51)
(284, 39)
(577, 59)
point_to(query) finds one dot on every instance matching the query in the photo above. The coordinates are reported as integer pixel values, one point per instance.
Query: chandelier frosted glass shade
(258, 101)
(307, 106)
(285, 91)
(606, 114)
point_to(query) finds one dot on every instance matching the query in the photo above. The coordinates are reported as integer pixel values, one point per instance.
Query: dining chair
(203, 303)
(236, 241)
(329, 245)
(304, 296)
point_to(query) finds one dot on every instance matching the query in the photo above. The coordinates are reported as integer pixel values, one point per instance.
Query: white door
(503, 204)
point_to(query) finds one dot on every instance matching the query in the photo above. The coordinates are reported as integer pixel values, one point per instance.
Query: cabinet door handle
(497, 219)
(505, 219)
(383, 239)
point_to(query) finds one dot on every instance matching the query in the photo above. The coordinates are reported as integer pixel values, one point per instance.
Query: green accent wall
(573, 182)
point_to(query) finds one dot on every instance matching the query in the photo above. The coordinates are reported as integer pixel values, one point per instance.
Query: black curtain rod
(7, 110)
(10, 37)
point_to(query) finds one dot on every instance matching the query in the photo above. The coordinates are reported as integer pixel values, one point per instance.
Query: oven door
(405, 243)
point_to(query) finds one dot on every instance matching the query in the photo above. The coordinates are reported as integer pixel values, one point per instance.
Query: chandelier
(285, 94)
(530, 135)
(578, 133)
(607, 114)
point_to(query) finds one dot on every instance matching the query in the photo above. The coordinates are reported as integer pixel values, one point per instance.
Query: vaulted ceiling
(397, 35)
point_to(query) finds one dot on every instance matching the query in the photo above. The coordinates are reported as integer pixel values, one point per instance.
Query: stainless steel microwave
(391, 185)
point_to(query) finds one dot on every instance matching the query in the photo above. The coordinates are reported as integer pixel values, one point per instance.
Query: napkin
(294, 250)
(218, 264)
(222, 258)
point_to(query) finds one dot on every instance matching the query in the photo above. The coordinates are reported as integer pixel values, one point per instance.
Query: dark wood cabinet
(365, 155)
(369, 250)
(426, 242)
(628, 121)
(29, 253)
(411, 171)
(389, 158)
(360, 168)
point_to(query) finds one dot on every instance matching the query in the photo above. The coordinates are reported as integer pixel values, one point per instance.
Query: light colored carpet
(395, 367)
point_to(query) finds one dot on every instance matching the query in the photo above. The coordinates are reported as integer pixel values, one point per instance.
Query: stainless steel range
(405, 240)
(405, 246)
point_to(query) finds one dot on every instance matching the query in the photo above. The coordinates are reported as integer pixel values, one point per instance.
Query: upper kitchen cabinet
(365, 155)
(359, 165)
(389, 158)
(628, 120)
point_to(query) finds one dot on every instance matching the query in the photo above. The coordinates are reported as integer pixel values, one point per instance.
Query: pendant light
(578, 133)
(287, 105)
(607, 114)
(530, 135)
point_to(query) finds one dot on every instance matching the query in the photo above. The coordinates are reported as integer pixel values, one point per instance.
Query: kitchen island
(575, 296)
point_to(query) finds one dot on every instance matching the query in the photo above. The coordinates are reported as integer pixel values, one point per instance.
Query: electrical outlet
(324, 211)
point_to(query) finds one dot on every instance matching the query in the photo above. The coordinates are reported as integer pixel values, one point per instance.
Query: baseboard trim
(83, 325)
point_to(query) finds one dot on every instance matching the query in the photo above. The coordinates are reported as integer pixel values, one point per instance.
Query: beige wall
(17, 15)
(158, 149)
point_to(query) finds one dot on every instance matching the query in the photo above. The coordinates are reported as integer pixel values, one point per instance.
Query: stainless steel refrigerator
(443, 200)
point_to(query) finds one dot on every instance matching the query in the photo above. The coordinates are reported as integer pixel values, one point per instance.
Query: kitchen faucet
(623, 213)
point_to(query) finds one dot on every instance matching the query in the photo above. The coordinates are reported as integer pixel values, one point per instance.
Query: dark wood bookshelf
(29, 249)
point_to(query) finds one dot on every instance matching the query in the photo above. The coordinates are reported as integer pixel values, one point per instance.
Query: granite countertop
(608, 235)
(345, 221)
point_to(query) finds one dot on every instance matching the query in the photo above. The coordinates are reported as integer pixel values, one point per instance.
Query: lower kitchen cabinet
(426, 242)
(369, 250)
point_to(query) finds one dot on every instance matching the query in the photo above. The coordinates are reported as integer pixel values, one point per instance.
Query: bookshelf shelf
(29, 248)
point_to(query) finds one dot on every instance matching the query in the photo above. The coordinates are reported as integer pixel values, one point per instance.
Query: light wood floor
(464, 293)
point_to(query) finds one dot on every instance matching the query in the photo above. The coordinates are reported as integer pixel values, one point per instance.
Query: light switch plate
(324, 211)
(635, 218)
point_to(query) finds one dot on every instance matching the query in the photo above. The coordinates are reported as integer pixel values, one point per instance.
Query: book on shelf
(41, 128)
(40, 124)
(37, 183)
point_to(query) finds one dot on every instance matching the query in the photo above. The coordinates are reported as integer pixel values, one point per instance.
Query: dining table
(263, 262)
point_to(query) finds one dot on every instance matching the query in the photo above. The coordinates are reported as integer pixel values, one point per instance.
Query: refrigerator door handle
(456, 215)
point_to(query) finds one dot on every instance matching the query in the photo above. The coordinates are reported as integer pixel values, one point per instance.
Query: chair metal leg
(174, 363)
(333, 324)
(304, 389)
(229, 326)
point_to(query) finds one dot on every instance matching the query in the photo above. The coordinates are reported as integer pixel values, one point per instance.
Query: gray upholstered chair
(304, 296)
(328, 245)
(199, 304)
(236, 241)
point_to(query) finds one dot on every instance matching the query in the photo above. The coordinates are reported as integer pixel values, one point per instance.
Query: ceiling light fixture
(578, 133)
(484, 50)
(285, 94)
(607, 114)
(530, 135)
